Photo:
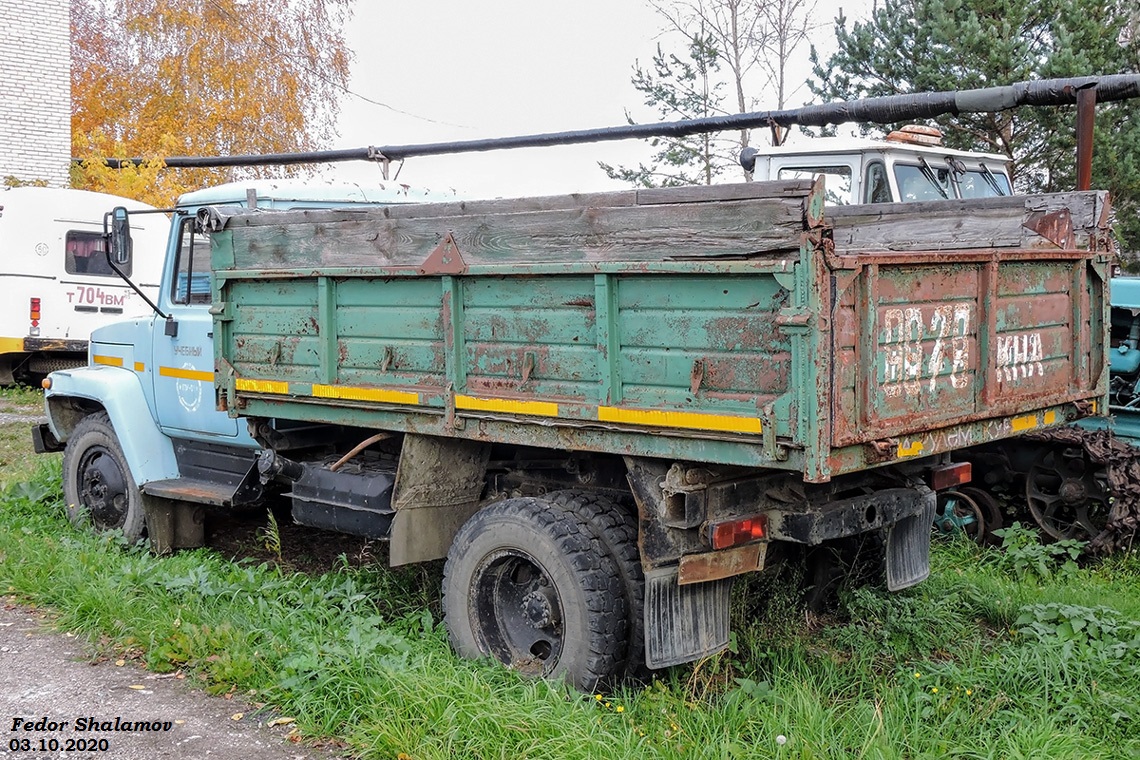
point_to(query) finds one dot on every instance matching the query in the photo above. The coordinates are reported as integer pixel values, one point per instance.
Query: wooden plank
(628, 234)
(583, 201)
(963, 224)
(935, 229)
(796, 188)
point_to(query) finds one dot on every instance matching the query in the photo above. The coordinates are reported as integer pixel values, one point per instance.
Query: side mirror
(121, 243)
(748, 158)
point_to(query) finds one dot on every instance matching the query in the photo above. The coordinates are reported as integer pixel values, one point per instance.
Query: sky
(449, 70)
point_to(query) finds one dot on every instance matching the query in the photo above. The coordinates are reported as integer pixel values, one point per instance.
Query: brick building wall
(35, 90)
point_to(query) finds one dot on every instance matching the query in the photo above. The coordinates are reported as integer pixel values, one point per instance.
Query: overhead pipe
(881, 110)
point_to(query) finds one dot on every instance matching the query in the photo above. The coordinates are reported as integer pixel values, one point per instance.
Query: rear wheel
(616, 528)
(528, 583)
(97, 483)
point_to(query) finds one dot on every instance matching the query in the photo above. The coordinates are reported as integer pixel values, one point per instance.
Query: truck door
(184, 347)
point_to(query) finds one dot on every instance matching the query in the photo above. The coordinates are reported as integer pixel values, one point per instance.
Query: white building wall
(35, 90)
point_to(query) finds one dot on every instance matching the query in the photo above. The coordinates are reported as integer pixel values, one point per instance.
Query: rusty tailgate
(925, 340)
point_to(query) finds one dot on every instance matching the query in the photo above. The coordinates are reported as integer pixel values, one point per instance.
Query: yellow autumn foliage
(157, 78)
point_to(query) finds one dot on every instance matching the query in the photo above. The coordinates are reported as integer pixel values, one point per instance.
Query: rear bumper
(55, 344)
(848, 517)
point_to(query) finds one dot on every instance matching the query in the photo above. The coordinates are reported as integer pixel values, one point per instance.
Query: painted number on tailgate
(918, 342)
(1019, 356)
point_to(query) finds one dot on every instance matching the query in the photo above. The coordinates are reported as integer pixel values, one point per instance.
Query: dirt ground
(50, 676)
(47, 676)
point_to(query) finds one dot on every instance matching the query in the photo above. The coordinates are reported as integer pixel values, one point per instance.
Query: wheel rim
(959, 511)
(989, 509)
(1066, 496)
(517, 613)
(103, 488)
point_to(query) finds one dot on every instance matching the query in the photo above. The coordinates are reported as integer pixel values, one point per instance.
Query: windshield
(975, 184)
(923, 183)
(930, 182)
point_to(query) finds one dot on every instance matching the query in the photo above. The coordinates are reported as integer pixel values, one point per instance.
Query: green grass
(20, 398)
(943, 670)
(16, 459)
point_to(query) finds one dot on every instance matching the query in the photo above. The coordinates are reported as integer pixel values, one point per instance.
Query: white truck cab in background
(910, 164)
(58, 285)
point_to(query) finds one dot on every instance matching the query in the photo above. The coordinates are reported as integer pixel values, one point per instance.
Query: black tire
(528, 583)
(616, 528)
(97, 484)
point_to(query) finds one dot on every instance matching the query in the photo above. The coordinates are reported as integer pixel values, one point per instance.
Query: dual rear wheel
(548, 586)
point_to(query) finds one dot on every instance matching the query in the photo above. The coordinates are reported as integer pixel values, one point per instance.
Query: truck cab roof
(834, 145)
(295, 193)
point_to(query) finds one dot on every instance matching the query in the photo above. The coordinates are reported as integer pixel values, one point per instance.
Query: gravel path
(46, 679)
(7, 417)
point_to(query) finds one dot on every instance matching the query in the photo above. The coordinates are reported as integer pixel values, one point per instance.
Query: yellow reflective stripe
(110, 361)
(1024, 422)
(510, 406)
(10, 345)
(913, 450)
(140, 367)
(261, 386)
(690, 420)
(186, 374)
(1051, 417)
(365, 394)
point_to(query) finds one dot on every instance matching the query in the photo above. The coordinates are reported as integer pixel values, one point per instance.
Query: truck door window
(915, 184)
(83, 254)
(876, 187)
(836, 180)
(192, 274)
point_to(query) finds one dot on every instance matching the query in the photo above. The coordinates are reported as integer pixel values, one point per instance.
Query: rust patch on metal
(445, 259)
(712, 566)
(882, 451)
(1056, 227)
(696, 376)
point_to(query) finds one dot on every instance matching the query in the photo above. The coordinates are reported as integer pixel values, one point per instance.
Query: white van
(56, 283)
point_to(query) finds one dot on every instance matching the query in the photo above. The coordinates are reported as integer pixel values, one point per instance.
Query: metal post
(1086, 108)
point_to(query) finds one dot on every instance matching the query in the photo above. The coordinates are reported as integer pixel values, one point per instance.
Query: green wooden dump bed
(739, 324)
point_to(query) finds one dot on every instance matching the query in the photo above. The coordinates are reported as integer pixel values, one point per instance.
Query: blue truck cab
(138, 425)
(1123, 363)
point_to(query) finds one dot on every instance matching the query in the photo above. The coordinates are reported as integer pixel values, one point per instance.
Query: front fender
(76, 393)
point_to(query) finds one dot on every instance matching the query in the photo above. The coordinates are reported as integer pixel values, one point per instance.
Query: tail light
(735, 532)
(951, 475)
(34, 315)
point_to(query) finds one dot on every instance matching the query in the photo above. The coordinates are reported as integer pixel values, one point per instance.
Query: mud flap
(684, 623)
(908, 546)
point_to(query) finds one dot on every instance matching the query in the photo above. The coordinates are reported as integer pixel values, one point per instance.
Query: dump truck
(601, 409)
(598, 409)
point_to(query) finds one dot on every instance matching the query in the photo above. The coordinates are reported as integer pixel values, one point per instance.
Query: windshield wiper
(990, 179)
(928, 172)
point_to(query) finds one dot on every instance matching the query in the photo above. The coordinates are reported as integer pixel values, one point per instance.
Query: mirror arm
(115, 268)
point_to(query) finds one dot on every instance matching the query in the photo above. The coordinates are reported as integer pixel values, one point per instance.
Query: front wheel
(97, 484)
(528, 583)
